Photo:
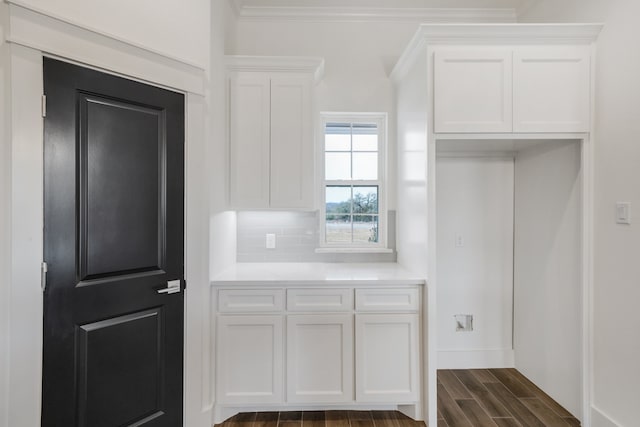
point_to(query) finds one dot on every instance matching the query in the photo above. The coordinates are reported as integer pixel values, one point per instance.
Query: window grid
(375, 125)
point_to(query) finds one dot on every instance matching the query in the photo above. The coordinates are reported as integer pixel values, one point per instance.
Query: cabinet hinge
(43, 276)
(44, 105)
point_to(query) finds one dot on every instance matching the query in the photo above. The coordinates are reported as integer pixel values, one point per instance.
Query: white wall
(359, 57)
(547, 265)
(475, 202)
(5, 225)
(616, 290)
(411, 221)
(176, 28)
(222, 221)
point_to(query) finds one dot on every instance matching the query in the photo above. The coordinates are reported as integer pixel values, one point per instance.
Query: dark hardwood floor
(466, 398)
(496, 398)
(322, 419)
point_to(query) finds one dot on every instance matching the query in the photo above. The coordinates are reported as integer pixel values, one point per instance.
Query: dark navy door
(114, 233)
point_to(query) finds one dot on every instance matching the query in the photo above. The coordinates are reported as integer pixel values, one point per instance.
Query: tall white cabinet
(522, 92)
(271, 116)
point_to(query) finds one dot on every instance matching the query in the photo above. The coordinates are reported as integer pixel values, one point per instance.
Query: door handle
(173, 286)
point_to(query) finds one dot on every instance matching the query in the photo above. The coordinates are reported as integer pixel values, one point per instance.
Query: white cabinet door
(249, 366)
(249, 124)
(473, 90)
(320, 358)
(291, 143)
(551, 89)
(387, 358)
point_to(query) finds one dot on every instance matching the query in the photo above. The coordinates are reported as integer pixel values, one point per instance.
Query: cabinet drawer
(250, 300)
(319, 299)
(387, 299)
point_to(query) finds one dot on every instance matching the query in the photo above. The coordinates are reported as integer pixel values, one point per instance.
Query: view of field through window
(352, 190)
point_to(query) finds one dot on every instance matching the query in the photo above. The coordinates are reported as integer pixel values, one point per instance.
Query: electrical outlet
(623, 213)
(464, 322)
(459, 240)
(271, 241)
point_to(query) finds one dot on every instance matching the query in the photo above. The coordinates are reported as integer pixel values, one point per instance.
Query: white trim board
(54, 36)
(476, 358)
(371, 14)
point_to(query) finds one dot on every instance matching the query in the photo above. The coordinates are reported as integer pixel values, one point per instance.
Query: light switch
(623, 213)
(459, 240)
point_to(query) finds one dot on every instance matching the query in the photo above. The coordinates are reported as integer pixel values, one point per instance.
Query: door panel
(114, 233)
(119, 368)
(121, 218)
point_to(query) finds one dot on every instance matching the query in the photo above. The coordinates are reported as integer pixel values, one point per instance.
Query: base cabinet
(331, 347)
(387, 357)
(320, 358)
(249, 350)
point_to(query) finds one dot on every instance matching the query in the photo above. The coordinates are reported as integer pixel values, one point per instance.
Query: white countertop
(315, 273)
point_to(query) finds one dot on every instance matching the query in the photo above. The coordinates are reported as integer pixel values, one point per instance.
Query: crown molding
(372, 14)
(492, 34)
(280, 64)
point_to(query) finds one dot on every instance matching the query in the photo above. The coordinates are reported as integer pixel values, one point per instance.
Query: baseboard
(599, 419)
(476, 359)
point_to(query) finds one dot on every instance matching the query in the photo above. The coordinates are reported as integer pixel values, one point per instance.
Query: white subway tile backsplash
(297, 237)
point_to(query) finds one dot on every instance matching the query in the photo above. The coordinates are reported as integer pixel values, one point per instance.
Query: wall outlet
(623, 213)
(464, 322)
(271, 241)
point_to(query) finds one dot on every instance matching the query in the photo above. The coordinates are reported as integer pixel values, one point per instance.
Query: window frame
(380, 120)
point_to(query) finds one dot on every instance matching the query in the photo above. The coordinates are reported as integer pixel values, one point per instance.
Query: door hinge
(44, 105)
(43, 276)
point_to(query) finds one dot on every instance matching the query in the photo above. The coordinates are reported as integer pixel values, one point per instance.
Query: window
(353, 187)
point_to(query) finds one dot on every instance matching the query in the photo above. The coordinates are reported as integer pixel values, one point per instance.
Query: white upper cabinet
(249, 147)
(504, 78)
(473, 90)
(271, 162)
(291, 175)
(516, 89)
(551, 89)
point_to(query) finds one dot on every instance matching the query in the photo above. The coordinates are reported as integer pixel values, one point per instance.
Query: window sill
(353, 251)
